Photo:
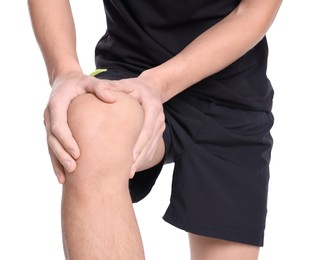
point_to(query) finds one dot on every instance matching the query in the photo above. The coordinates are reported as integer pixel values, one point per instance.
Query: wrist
(63, 67)
(171, 77)
(156, 81)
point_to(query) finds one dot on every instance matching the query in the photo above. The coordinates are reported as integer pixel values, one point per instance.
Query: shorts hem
(219, 233)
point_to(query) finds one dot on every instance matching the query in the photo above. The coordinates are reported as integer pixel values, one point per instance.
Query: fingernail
(132, 173)
(59, 177)
(67, 164)
(72, 152)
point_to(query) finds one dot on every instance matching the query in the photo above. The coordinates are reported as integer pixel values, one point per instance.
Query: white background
(30, 194)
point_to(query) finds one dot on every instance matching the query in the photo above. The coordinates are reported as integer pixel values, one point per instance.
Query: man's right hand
(62, 146)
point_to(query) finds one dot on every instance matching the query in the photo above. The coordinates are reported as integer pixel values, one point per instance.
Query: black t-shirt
(142, 34)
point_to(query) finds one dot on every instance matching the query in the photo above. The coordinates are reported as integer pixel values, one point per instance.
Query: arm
(209, 53)
(55, 32)
(216, 48)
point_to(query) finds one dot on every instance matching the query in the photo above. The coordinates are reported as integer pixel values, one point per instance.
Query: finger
(140, 152)
(149, 151)
(57, 149)
(103, 90)
(153, 124)
(62, 156)
(145, 156)
(147, 131)
(57, 167)
(56, 122)
(143, 139)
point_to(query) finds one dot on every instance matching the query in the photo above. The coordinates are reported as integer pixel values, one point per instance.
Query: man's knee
(106, 134)
(88, 116)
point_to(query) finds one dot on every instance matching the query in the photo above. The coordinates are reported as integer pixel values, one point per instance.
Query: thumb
(104, 92)
(106, 95)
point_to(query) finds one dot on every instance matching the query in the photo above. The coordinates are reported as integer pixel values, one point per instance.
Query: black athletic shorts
(221, 172)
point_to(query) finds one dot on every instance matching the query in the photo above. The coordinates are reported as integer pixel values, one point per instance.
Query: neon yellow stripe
(96, 72)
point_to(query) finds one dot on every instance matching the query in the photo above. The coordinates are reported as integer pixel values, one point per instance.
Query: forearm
(55, 32)
(216, 48)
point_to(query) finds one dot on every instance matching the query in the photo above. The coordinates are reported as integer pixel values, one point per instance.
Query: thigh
(221, 172)
(207, 248)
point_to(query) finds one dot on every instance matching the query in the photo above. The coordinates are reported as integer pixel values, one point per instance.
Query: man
(177, 81)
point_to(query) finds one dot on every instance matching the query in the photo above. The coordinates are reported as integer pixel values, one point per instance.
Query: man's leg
(206, 248)
(98, 219)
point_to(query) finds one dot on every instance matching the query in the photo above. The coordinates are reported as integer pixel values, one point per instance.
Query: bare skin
(94, 153)
(207, 248)
(97, 213)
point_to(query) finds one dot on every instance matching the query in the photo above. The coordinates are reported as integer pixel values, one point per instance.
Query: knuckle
(50, 106)
(50, 141)
(46, 115)
(59, 155)
(55, 127)
(46, 112)
(53, 101)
